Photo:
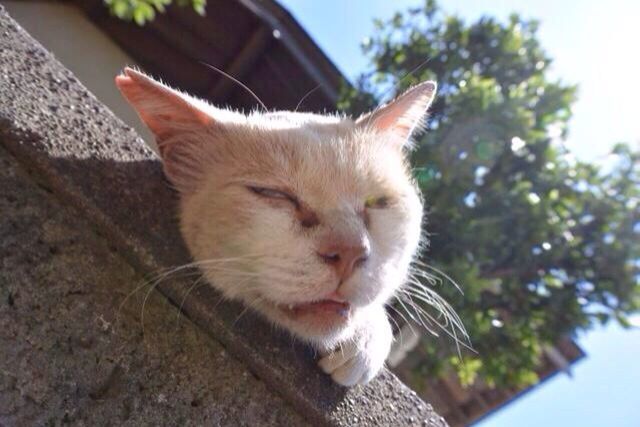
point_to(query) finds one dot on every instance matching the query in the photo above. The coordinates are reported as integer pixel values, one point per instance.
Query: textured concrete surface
(95, 164)
(72, 353)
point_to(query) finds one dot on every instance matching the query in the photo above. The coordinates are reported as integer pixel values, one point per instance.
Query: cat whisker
(417, 286)
(416, 273)
(403, 318)
(395, 322)
(441, 273)
(160, 278)
(145, 283)
(452, 334)
(196, 283)
(163, 274)
(420, 310)
(449, 317)
(306, 96)
(400, 335)
(248, 306)
(238, 82)
(420, 319)
(144, 303)
(155, 280)
(255, 256)
(431, 298)
(233, 272)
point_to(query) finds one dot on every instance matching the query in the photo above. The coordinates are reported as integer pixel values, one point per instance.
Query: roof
(256, 41)
(464, 406)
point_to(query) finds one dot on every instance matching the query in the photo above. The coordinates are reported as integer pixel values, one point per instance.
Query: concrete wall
(72, 353)
(102, 179)
(89, 53)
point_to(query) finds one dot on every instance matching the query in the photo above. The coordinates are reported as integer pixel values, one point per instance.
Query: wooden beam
(239, 67)
(308, 54)
(95, 9)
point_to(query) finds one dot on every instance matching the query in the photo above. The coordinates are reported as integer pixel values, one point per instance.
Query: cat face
(309, 219)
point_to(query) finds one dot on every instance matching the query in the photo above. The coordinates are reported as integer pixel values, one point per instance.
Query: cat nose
(345, 256)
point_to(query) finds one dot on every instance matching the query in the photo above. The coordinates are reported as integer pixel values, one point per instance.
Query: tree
(143, 11)
(542, 244)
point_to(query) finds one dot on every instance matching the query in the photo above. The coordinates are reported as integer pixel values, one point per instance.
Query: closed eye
(373, 202)
(270, 193)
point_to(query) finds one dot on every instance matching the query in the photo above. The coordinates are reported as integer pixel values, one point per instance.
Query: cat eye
(273, 194)
(373, 202)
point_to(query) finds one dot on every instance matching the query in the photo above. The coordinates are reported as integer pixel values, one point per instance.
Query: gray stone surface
(92, 162)
(72, 353)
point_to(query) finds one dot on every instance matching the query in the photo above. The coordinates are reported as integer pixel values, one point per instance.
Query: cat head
(310, 219)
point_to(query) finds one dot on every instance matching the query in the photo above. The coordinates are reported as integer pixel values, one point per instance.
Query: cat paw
(359, 360)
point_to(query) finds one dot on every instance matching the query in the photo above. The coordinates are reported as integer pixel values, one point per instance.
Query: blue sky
(595, 45)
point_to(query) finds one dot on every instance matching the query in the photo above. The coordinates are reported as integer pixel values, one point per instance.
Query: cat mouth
(323, 308)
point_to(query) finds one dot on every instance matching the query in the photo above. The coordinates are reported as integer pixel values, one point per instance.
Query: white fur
(254, 250)
(358, 359)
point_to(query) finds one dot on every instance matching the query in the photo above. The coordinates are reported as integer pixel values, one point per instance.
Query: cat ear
(165, 111)
(172, 117)
(403, 116)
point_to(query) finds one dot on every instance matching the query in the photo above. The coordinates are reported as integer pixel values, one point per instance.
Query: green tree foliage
(542, 244)
(143, 11)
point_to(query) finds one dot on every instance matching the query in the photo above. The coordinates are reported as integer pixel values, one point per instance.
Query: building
(255, 41)
(465, 406)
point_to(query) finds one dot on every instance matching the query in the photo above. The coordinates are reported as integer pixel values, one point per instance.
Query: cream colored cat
(312, 220)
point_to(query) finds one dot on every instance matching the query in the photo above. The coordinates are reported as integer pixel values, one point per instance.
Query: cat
(312, 220)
